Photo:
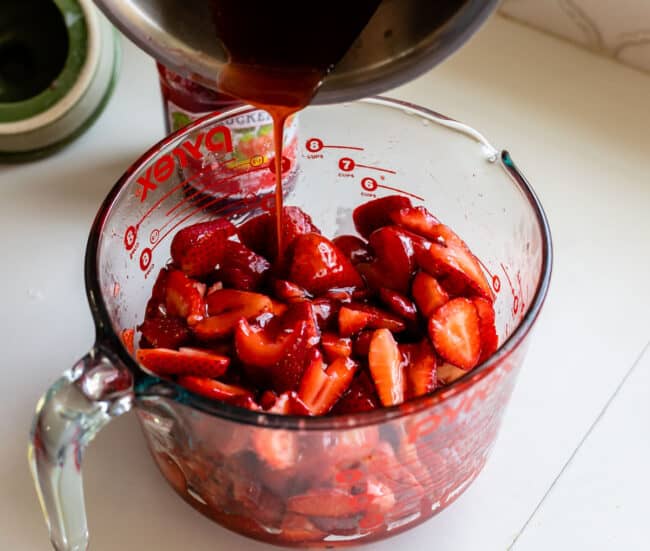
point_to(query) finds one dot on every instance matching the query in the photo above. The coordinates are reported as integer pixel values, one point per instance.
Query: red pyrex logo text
(216, 140)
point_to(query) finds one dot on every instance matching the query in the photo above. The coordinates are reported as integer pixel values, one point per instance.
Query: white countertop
(571, 466)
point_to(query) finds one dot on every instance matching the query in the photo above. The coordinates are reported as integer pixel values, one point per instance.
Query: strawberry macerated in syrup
(335, 327)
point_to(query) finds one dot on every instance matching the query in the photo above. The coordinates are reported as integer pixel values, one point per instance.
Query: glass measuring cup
(354, 478)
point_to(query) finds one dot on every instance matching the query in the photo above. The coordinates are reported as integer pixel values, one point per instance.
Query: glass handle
(75, 408)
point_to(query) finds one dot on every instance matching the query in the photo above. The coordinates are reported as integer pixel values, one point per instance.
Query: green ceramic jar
(58, 64)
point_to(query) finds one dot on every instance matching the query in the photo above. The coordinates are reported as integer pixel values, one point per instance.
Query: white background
(571, 467)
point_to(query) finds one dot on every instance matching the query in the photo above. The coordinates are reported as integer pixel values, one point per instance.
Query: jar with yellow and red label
(250, 135)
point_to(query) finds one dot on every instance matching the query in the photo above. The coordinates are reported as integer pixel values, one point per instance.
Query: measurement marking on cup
(190, 201)
(165, 196)
(496, 282)
(346, 164)
(201, 208)
(515, 297)
(314, 145)
(521, 293)
(370, 184)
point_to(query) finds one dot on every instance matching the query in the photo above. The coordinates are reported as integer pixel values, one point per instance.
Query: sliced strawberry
(321, 386)
(256, 347)
(326, 502)
(242, 268)
(361, 396)
(357, 316)
(448, 255)
(379, 319)
(455, 332)
(186, 361)
(420, 368)
(395, 257)
(289, 292)
(398, 304)
(448, 373)
(489, 338)
(318, 265)
(165, 331)
(416, 219)
(384, 360)
(215, 390)
(335, 346)
(375, 214)
(225, 308)
(361, 344)
(299, 529)
(352, 321)
(428, 293)
(355, 248)
(184, 297)
(277, 355)
(197, 249)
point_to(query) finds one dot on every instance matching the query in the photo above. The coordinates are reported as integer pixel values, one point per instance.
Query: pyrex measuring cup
(358, 477)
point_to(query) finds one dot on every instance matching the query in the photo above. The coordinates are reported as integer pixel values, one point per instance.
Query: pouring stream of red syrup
(277, 60)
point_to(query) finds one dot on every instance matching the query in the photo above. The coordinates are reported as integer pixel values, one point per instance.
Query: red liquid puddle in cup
(277, 61)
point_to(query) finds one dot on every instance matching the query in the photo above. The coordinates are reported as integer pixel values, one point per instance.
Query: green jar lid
(57, 70)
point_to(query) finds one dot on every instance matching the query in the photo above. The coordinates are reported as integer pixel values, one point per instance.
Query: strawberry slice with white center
(455, 332)
(489, 338)
(184, 297)
(385, 362)
(428, 294)
(321, 386)
(448, 255)
(419, 368)
(197, 249)
(185, 361)
(226, 307)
